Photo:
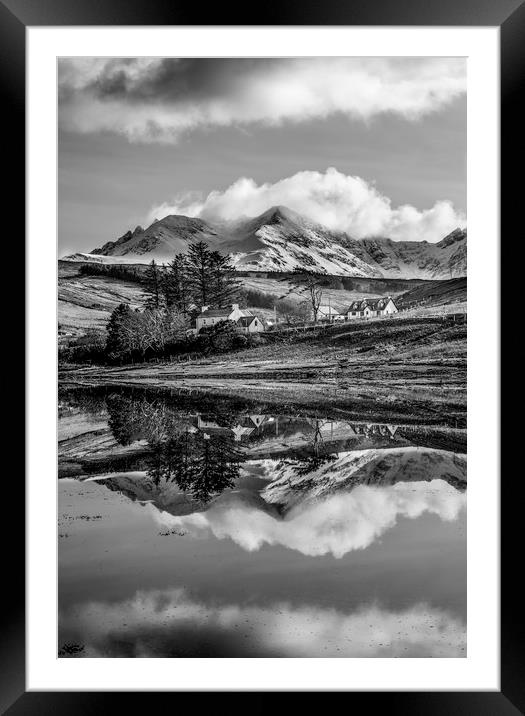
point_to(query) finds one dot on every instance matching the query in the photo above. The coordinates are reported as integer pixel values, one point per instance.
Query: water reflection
(335, 525)
(200, 466)
(172, 624)
(225, 529)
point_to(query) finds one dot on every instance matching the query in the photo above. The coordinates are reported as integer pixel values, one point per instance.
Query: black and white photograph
(262, 357)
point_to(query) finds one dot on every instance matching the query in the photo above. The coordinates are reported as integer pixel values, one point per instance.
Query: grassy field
(409, 368)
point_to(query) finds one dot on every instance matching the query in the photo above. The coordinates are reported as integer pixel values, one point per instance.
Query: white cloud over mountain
(158, 100)
(331, 198)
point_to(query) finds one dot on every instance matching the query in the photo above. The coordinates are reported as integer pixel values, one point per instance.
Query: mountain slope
(281, 240)
(161, 240)
(419, 259)
(373, 467)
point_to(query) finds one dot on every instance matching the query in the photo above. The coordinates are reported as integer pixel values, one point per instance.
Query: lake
(192, 525)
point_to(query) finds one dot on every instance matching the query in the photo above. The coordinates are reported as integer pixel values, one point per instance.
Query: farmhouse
(368, 307)
(208, 317)
(328, 313)
(250, 324)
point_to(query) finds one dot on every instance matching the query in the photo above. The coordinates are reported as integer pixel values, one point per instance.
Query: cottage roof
(216, 313)
(222, 312)
(375, 304)
(245, 321)
(327, 309)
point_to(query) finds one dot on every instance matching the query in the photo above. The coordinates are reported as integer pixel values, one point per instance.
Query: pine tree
(152, 287)
(176, 285)
(224, 287)
(218, 467)
(199, 264)
(117, 342)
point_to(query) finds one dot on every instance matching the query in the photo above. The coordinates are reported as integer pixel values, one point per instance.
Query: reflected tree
(317, 457)
(201, 466)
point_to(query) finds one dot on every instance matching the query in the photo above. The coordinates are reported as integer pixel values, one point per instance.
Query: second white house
(369, 307)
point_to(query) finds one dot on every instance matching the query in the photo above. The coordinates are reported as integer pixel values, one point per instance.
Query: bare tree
(310, 285)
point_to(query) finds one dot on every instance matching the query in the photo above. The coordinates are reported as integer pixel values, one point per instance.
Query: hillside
(86, 302)
(281, 240)
(434, 293)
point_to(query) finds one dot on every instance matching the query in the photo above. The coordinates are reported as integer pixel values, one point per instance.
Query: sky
(371, 146)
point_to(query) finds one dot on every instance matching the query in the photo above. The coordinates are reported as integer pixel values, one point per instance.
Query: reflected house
(381, 429)
(242, 429)
(258, 420)
(335, 429)
(369, 308)
(211, 429)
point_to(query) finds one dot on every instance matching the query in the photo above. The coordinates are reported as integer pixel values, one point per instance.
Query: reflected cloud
(171, 624)
(336, 525)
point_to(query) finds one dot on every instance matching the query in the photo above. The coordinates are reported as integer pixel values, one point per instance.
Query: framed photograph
(253, 393)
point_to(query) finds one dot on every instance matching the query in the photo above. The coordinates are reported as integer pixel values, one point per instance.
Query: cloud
(169, 623)
(336, 525)
(158, 100)
(335, 200)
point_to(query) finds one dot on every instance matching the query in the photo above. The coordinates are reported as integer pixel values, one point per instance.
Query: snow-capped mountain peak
(280, 240)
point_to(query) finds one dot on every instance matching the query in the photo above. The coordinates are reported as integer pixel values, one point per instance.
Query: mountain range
(281, 240)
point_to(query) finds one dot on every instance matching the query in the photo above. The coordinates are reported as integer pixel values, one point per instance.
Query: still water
(193, 526)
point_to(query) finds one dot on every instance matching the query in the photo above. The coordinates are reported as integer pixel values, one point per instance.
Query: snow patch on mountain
(282, 240)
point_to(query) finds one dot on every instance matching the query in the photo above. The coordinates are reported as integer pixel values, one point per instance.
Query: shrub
(255, 339)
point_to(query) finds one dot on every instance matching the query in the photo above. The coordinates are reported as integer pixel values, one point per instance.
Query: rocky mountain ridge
(281, 240)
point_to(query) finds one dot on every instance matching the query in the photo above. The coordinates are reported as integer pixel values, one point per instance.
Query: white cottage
(328, 313)
(368, 308)
(208, 317)
(250, 324)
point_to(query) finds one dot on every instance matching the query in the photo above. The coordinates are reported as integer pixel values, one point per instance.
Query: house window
(361, 313)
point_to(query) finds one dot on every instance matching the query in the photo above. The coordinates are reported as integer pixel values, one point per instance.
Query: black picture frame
(15, 17)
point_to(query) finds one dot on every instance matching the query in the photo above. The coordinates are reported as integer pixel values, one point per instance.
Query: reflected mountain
(182, 460)
(190, 526)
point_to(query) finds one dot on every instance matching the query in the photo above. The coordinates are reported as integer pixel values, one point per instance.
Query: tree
(117, 343)
(224, 286)
(201, 467)
(152, 287)
(199, 266)
(176, 285)
(208, 277)
(310, 285)
(218, 468)
(152, 330)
